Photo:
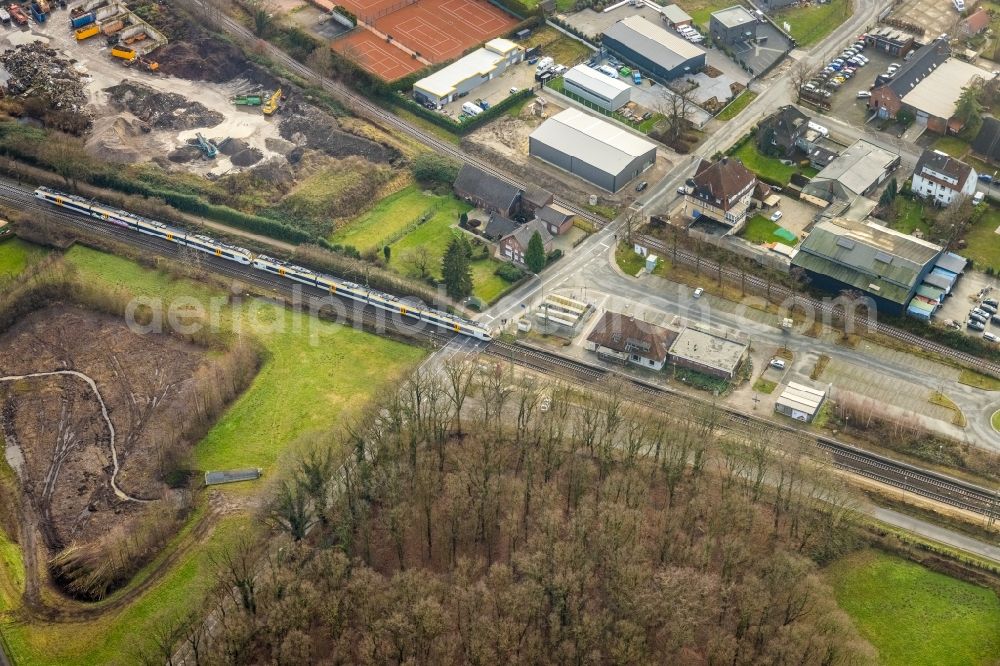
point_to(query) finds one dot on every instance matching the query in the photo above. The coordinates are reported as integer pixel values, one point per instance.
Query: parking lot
(518, 76)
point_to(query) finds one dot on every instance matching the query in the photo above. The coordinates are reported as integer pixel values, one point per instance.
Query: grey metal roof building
(887, 265)
(800, 402)
(656, 51)
(856, 172)
(593, 149)
(603, 91)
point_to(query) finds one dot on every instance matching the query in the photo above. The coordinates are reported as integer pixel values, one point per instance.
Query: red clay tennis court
(371, 52)
(438, 30)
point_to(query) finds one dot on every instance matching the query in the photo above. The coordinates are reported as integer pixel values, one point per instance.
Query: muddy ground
(62, 451)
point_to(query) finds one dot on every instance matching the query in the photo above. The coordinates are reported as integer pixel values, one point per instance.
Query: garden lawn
(983, 241)
(435, 234)
(627, 260)
(737, 105)
(16, 255)
(316, 373)
(952, 145)
(913, 615)
(391, 216)
(759, 229)
(910, 216)
(768, 167)
(811, 24)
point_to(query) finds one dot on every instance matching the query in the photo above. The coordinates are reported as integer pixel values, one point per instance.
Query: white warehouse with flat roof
(467, 73)
(593, 149)
(602, 91)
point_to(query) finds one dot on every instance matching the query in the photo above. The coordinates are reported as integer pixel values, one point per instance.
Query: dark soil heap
(161, 110)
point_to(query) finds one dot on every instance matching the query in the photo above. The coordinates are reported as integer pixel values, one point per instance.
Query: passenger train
(261, 262)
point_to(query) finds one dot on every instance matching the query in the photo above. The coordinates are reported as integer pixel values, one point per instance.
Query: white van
(544, 64)
(471, 109)
(607, 70)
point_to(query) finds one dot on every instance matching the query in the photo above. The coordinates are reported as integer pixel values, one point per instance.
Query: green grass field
(434, 235)
(915, 616)
(627, 260)
(737, 105)
(759, 229)
(984, 242)
(565, 50)
(811, 24)
(389, 217)
(16, 255)
(316, 375)
(769, 167)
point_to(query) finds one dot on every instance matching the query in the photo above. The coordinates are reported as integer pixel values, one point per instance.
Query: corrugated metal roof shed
(859, 167)
(231, 476)
(445, 81)
(951, 262)
(802, 398)
(652, 41)
(591, 140)
(597, 83)
(937, 93)
(675, 14)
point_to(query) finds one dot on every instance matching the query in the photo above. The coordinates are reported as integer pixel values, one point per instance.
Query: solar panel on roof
(884, 257)
(845, 243)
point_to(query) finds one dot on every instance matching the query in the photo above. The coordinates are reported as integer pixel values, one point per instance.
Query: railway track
(828, 309)
(363, 107)
(926, 483)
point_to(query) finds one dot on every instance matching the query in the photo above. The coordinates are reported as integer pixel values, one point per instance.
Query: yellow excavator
(271, 105)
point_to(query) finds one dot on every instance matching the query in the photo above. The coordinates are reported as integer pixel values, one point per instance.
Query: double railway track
(927, 483)
(923, 482)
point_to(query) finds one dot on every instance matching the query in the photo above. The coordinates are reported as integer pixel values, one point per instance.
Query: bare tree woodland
(465, 525)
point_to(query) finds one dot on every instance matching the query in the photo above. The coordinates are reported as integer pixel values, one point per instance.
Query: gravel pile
(161, 110)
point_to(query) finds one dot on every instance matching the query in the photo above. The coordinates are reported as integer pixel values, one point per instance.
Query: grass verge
(764, 386)
(916, 616)
(389, 217)
(734, 108)
(16, 255)
(627, 260)
(979, 381)
(941, 400)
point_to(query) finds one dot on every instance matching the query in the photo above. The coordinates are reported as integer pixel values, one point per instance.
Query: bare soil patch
(57, 424)
(161, 110)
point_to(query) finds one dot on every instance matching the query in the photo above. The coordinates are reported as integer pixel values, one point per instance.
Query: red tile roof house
(974, 24)
(514, 245)
(624, 339)
(721, 191)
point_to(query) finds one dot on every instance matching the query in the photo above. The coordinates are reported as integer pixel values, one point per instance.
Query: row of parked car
(689, 33)
(983, 314)
(838, 71)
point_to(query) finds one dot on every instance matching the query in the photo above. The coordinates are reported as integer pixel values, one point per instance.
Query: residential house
(557, 219)
(514, 245)
(624, 339)
(535, 198)
(721, 191)
(779, 134)
(974, 24)
(486, 191)
(941, 178)
(499, 226)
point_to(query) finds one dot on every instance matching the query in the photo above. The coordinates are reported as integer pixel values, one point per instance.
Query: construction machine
(271, 105)
(207, 147)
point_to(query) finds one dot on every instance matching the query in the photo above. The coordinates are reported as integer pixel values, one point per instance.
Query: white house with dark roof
(941, 178)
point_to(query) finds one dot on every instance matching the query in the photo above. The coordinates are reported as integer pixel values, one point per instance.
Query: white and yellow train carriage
(262, 262)
(144, 225)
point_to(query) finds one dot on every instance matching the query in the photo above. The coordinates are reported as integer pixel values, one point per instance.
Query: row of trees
(481, 518)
